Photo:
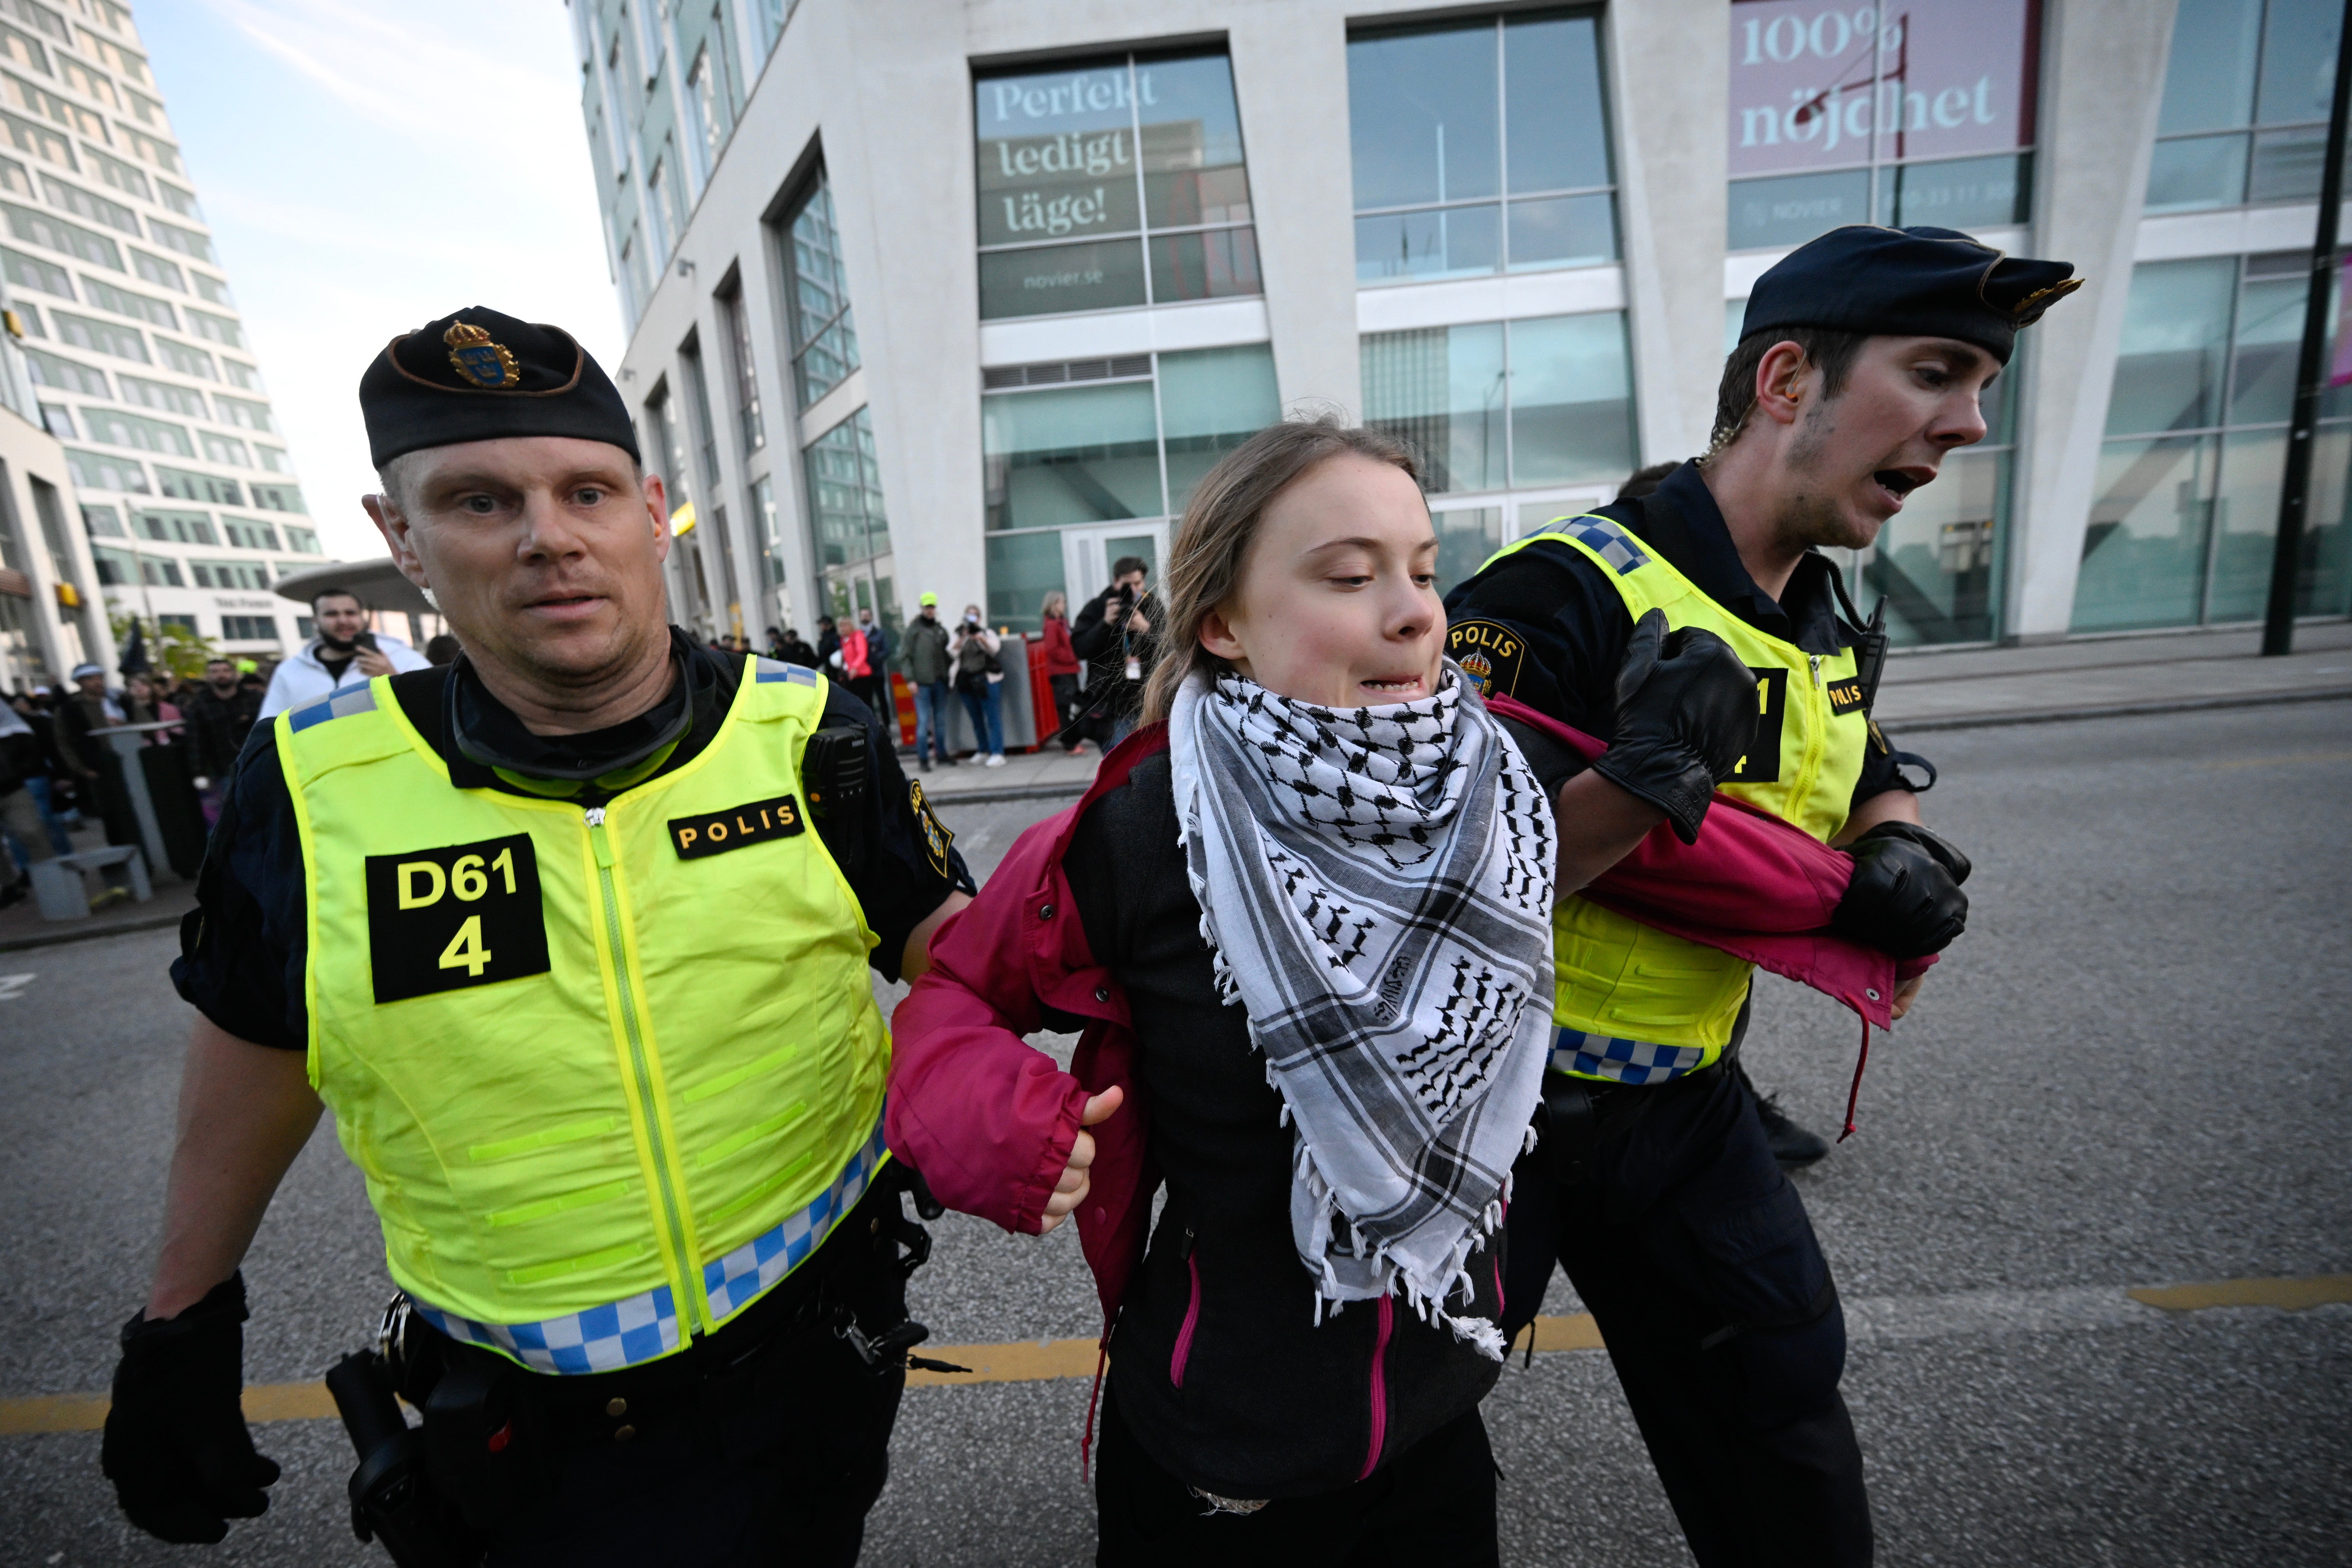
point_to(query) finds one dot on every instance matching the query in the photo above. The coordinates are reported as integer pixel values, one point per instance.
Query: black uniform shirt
(242, 949)
(1556, 628)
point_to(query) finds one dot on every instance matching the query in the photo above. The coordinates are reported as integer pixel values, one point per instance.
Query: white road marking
(11, 985)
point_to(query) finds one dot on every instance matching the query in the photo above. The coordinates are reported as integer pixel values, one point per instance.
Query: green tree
(172, 648)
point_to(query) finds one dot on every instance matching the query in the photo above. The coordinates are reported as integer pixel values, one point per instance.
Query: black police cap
(479, 375)
(1909, 282)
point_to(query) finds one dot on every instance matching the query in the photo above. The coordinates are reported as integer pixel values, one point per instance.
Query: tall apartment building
(966, 295)
(128, 331)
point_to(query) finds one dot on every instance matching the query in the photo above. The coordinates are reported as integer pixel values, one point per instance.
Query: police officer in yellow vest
(1863, 361)
(573, 937)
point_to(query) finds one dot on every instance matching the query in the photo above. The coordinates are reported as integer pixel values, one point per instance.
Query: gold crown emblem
(487, 364)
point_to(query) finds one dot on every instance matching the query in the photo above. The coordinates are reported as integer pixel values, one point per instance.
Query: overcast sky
(366, 167)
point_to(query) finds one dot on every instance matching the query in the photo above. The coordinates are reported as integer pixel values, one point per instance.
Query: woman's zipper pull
(1816, 660)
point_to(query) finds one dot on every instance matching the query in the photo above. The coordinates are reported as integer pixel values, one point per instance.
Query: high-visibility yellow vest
(1635, 1005)
(610, 1073)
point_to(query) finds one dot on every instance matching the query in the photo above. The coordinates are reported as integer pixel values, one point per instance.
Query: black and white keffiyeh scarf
(1376, 885)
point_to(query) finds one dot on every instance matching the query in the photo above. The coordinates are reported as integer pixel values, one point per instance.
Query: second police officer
(572, 938)
(1861, 365)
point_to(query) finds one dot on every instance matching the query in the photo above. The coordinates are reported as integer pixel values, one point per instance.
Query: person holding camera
(1114, 633)
(979, 681)
(343, 654)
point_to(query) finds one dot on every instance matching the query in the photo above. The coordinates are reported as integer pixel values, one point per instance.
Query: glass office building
(965, 297)
(183, 486)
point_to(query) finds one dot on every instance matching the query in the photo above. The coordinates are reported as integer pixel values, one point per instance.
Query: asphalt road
(2130, 1073)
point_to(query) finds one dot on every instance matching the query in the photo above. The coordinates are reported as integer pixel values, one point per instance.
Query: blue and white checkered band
(337, 705)
(767, 669)
(622, 1333)
(1609, 542)
(1626, 1061)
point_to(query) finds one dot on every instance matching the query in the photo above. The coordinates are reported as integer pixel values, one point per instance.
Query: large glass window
(1499, 406)
(825, 337)
(1114, 183)
(1091, 457)
(2246, 93)
(1480, 147)
(2182, 531)
(851, 530)
(1861, 114)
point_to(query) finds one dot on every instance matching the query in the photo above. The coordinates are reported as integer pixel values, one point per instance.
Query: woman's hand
(1071, 1190)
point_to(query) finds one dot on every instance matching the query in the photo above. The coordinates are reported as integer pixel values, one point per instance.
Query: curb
(2113, 710)
(118, 928)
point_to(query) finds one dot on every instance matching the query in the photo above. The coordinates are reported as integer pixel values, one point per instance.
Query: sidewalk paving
(1927, 690)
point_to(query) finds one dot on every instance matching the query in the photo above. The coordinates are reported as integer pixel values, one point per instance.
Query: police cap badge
(479, 374)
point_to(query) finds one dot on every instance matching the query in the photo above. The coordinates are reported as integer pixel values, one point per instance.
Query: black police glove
(1686, 715)
(176, 1448)
(1906, 896)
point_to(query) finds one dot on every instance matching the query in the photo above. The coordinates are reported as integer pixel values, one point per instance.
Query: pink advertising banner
(1817, 86)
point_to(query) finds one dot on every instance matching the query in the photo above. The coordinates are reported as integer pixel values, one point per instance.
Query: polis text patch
(695, 837)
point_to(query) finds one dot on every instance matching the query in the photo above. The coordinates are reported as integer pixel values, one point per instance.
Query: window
(32, 136)
(87, 203)
(246, 534)
(118, 428)
(184, 485)
(40, 228)
(240, 411)
(176, 527)
(166, 157)
(13, 177)
(278, 498)
(162, 394)
(846, 521)
(100, 337)
(87, 82)
(115, 568)
(1116, 182)
(249, 628)
(2182, 531)
(275, 461)
(21, 47)
(179, 201)
(155, 270)
(127, 61)
(219, 329)
(2244, 116)
(212, 289)
(772, 533)
(186, 360)
(103, 471)
(707, 101)
(302, 540)
(240, 373)
(32, 272)
(824, 338)
(65, 374)
(250, 574)
(58, 421)
(186, 241)
(1480, 147)
(102, 521)
(32, 319)
(1507, 404)
(123, 302)
(41, 101)
(1847, 116)
(705, 434)
(226, 449)
(1091, 442)
(749, 427)
(128, 178)
(659, 210)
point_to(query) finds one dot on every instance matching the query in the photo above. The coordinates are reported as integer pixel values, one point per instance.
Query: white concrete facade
(885, 97)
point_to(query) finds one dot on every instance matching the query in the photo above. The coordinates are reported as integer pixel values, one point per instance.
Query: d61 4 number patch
(445, 919)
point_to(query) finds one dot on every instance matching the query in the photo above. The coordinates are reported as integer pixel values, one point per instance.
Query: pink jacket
(990, 1120)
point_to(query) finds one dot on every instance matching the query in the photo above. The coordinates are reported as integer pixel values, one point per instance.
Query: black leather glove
(1906, 896)
(176, 1448)
(1686, 715)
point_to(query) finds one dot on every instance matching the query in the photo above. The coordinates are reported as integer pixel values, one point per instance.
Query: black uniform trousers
(766, 1445)
(1693, 1251)
(1432, 1506)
